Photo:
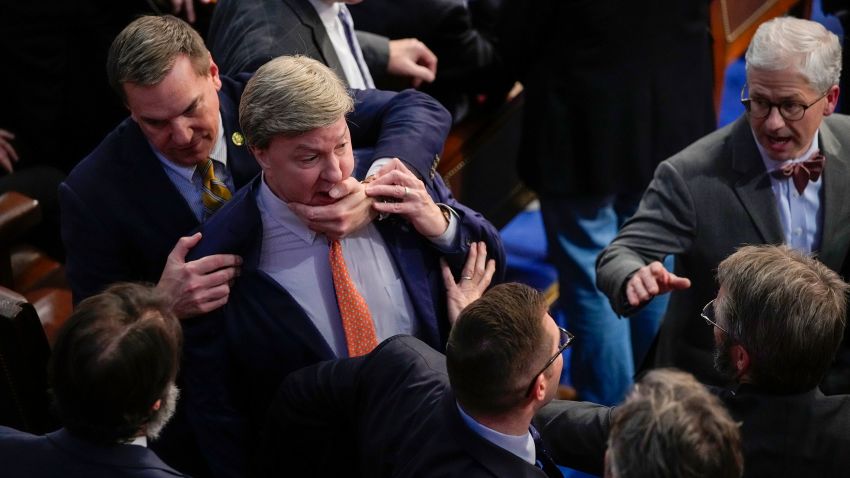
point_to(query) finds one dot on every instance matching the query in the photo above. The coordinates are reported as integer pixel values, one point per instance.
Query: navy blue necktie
(355, 48)
(544, 461)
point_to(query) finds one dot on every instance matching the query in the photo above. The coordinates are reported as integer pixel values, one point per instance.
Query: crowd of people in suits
(323, 305)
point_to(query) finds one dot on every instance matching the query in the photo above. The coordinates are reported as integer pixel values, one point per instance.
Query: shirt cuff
(449, 236)
(377, 165)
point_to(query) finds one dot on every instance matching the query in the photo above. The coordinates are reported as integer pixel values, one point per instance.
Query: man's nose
(332, 172)
(181, 132)
(774, 118)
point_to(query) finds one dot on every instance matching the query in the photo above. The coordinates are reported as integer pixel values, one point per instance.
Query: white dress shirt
(800, 215)
(188, 180)
(520, 445)
(328, 11)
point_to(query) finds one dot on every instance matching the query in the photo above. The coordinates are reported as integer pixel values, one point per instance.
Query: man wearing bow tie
(776, 175)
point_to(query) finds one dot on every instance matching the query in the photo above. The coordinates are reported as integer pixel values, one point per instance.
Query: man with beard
(778, 321)
(112, 373)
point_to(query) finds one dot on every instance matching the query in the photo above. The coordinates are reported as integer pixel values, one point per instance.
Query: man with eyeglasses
(408, 410)
(776, 323)
(779, 174)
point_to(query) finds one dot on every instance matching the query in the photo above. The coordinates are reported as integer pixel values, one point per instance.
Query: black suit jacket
(796, 436)
(62, 454)
(245, 34)
(389, 413)
(611, 89)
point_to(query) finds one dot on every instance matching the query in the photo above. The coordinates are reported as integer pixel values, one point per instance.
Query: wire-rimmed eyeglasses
(708, 314)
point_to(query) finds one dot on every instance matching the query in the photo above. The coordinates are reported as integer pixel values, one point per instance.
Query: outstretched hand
(651, 280)
(410, 58)
(475, 277)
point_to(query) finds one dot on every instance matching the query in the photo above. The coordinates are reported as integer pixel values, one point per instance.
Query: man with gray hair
(304, 296)
(671, 426)
(776, 175)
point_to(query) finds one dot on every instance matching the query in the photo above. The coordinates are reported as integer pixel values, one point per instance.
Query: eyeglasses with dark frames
(708, 314)
(566, 340)
(790, 110)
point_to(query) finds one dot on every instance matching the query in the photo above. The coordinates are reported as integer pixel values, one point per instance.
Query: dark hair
(114, 357)
(787, 310)
(497, 343)
(671, 426)
(146, 49)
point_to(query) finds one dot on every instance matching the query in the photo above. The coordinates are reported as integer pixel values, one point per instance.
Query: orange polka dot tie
(356, 320)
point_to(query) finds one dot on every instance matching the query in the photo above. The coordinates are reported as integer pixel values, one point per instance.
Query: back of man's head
(291, 95)
(114, 358)
(494, 348)
(787, 310)
(145, 50)
(671, 426)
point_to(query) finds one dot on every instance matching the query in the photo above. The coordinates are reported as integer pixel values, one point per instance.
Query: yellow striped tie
(215, 191)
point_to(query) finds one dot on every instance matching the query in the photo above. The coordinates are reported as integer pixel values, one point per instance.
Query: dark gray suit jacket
(704, 202)
(245, 34)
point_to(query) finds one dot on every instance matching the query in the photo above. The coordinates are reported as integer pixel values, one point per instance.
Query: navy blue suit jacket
(122, 215)
(61, 454)
(390, 413)
(264, 334)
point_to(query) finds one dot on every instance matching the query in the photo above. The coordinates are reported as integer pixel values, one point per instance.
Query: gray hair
(291, 95)
(803, 45)
(671, 426)
(146, 49)
(788, 312)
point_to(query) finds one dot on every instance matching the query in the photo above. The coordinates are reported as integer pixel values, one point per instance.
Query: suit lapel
(241, 163)
(752, 185)
(408, 252)
(836, 203)
(308, 16)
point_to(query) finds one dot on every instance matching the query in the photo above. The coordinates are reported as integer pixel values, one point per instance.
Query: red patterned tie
(802, 172)
(356, 320)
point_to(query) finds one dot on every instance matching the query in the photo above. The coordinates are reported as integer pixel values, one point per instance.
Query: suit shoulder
(110, 157)
(708, 153)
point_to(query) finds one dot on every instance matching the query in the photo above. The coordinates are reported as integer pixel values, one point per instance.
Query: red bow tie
(802, 172)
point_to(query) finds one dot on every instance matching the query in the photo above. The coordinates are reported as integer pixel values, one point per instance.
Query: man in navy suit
(285, 310)
(112, 372)
(131, 200)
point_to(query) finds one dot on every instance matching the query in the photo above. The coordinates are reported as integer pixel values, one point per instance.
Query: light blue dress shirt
(521, 446)
(800, 215)
(189, 183)
(297, 259)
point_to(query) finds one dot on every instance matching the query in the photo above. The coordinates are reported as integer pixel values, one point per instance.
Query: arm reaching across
(652, 280)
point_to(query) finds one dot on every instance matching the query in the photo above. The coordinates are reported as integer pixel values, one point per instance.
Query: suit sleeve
(311, 420)
(376, 53)
(94, 256)
(575, 433)
(472, 227)
(408, 125)
(664, 224)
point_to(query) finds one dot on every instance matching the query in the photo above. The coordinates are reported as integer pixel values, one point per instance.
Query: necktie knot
(215, 192)
(802, 172)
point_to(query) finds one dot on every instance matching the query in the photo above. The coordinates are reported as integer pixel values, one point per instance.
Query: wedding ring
(405, 192)
(466, 277)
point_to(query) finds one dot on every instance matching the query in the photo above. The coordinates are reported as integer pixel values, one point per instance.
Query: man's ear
(740, 359)
(261, 155)
(831, 100)
(214, 74)
(156, 405)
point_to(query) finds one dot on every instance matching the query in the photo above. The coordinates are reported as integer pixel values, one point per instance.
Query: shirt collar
(140, 441)
(218, 154)
(521, 446)
(327, 11)
(275, 209)
(771, 165)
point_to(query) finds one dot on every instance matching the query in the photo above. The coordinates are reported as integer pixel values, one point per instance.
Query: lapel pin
(237, 138)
